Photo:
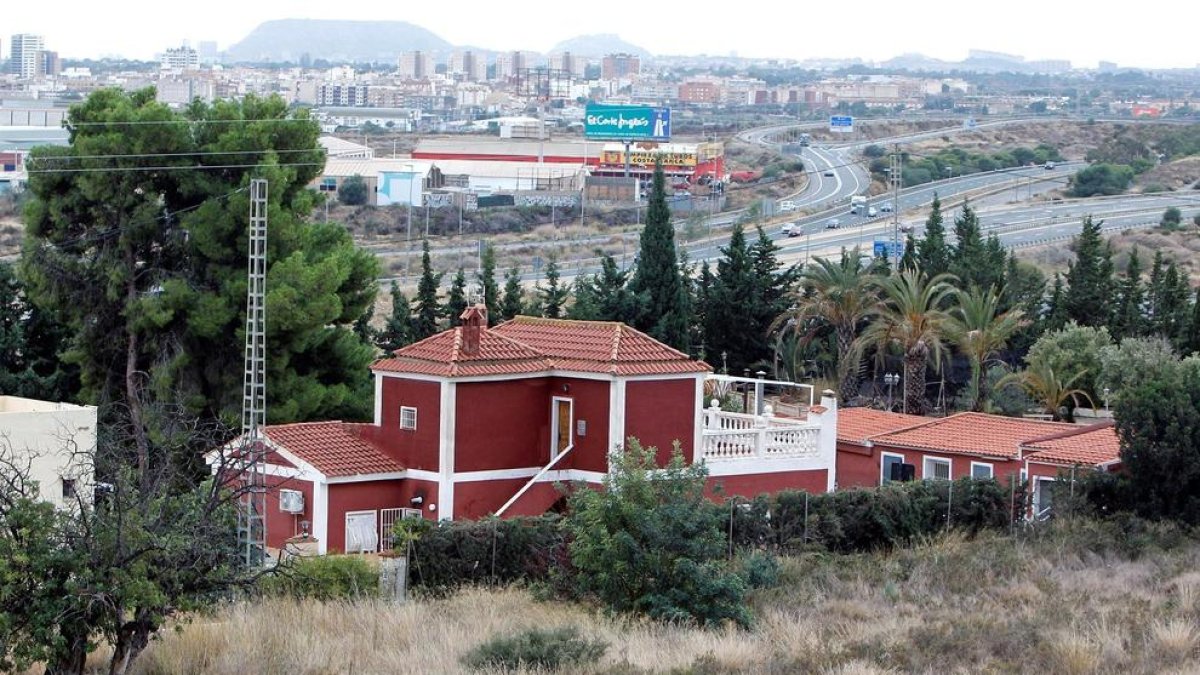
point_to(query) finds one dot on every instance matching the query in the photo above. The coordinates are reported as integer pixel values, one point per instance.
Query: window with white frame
(887, 462)
(982, 470)
(408, 417)
(936, 468)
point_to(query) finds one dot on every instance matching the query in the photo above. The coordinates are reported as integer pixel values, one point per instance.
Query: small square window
(937, 469)
(68, 491)
(981, 471)
(408, 417)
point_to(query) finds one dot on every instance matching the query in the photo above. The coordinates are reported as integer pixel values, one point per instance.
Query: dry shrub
(1174, 640)
(1073, 653)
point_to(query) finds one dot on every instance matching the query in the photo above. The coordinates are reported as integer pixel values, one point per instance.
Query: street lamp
(891, 380)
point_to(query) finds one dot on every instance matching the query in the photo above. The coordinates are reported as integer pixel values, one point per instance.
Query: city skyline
(874, 31)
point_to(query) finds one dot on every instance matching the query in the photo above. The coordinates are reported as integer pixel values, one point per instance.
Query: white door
(362, 534)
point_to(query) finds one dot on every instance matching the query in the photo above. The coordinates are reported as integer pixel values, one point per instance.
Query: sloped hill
(599, 45)
(289, 39)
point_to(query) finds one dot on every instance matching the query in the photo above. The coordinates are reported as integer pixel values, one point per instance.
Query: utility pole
(896, 175)
(252, 525)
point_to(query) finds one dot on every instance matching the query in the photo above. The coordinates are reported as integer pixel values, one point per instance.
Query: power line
(71, 125)
(197, 167)
(199, 153)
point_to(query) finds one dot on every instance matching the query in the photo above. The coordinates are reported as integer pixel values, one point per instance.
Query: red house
(476, 421)
(875, 447)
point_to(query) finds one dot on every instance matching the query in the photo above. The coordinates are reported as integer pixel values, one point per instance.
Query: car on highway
(792, 229)
(886, 207)
(833, 224)
(1049, 166)
(787, 205)
(906, 227)
(871, 212)
(829, 173)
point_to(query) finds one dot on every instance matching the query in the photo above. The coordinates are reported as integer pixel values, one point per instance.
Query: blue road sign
(842, 124)
(882, 249)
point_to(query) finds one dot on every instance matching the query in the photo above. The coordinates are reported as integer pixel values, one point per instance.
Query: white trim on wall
(925, 462)
(378, 400)
(320, 522)
(445, 503)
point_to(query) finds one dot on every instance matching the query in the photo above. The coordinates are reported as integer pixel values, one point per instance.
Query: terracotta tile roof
(443, 355)
(334, 448)
(972, 433)
(527, 345)
(1092, 445)
(858, 425)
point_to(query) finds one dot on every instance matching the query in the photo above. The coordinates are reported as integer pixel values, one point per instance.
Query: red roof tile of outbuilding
(1092, 445)
(972, 433)
(858, 425)
(528, 345)
(333, 448)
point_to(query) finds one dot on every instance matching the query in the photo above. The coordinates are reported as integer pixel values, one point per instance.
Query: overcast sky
(1155, 36)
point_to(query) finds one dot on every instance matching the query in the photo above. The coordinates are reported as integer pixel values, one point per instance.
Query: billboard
(627, 122)
(646, 158)
(841, 124)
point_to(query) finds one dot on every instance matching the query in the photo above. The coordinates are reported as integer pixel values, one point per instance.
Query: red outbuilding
(476, 421)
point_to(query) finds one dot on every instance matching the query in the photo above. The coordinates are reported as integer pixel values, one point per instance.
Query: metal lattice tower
(252, 527)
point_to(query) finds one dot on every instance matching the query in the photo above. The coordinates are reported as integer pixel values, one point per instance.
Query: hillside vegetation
(1075, 597)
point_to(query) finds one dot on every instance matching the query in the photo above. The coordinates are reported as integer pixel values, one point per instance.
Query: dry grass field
(1081, 601)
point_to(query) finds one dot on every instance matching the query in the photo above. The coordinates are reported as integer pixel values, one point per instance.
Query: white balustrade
(738, 436)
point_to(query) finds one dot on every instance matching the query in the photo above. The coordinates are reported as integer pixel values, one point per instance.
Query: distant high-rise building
(415, 66)
(568, 62)
(468, 65)
(180, 58)
(208, 51)
(620, 66)
(25, 51)
(510, 64)
(49, 63)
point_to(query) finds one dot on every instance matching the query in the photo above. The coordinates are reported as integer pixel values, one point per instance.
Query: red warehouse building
(476, 421)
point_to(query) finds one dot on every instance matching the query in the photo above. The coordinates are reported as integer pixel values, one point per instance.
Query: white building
(55, 441)
(26, 50)
(180, 58)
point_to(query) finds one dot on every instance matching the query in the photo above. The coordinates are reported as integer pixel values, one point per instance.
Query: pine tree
(1156, 295)
(456, 303)
(488, 284)
(771, 289)
(657, 275)
(702, 307)
(1089, 278)
(428, 310)
(553, 298)
(731, 315)
(1128, 317)
(1175, 303)
(397, 330)
(932, 252)
(513, 294)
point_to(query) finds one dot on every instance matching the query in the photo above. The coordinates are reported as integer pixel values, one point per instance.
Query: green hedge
(490, 551)
(864, 520)
(328, 577)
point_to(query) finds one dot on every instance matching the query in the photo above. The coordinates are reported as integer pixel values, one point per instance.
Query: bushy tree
(488, 284)
(651, 543)
(353, 191)
(1101, 179)
(31, 346)
(397, 329)
(1158, 423)
(513, 302)
(1129, 318)
(1134, 361)
(1072, 353)
(552, 298)
(933, 254)
(605, 296)
(1171, 218)
(1090, 278)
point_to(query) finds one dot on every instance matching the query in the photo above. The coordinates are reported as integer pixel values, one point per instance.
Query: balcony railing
(736, 436)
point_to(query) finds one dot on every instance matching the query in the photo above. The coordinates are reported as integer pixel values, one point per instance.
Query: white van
(871, 212)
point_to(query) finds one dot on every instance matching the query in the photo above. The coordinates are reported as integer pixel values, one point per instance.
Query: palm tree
(981, 332)
(837, 296)
(909, 316)
(1042, 385)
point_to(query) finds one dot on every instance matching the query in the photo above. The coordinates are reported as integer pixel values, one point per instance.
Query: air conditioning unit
(291, 501)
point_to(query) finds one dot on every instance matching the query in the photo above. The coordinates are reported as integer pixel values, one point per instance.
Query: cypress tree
(1191, 343)
(1156, 295)
(605, 296)
(1056, 307)
(1089, 279)
(428, 310)
(657, 276)
(553, 296)
(909, 260)
(702, 309)
(771, 287)
(967, 256)
(731, 314)
(932, 252)
(513, 293)
(488, 284)
(1175, 303)
(397, 330)
(1128, 317)
(456, 303)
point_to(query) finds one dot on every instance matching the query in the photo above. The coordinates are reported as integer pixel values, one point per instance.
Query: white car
(886, 207)
(906, 227)
(792, 230)
(787, 205)
(871, 212)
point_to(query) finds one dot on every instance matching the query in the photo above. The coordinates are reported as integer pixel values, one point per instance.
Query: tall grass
(1073, 601)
